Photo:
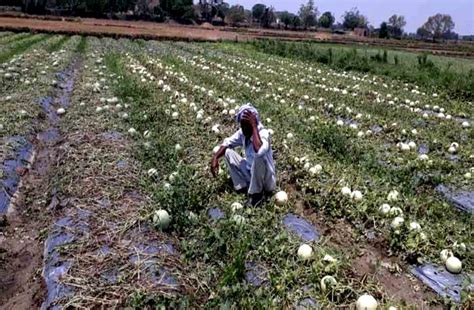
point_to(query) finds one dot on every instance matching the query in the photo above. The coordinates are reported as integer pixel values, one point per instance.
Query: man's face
(246, 128)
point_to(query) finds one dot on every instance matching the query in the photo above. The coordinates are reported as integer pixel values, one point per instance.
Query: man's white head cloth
(247, 107)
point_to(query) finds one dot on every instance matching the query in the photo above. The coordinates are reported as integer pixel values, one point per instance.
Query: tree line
(439, 26)
(156, 10)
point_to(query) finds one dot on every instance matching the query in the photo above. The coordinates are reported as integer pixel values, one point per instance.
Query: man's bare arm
(256, 140)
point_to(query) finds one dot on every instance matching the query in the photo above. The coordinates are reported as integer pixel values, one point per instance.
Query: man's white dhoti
(260, 177)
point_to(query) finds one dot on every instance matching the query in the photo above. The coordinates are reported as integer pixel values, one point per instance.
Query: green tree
(121, 5)
(286, 18)
(70, 5)
(222, 10)
(423, 34)
(235, 15)
(207, 10)
(258, 10)
(308, 14)
(327, 20)
(34, 6)
(178, 9)
(438, 25)
(354, 19)
(210, 9)
(267, 18)
(396, 23)
(383, 33)
(296, 23)
(96, 7)
(143, 9)
(450, 35)
(248, 15)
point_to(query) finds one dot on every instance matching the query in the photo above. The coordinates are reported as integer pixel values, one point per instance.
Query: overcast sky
(416, 12)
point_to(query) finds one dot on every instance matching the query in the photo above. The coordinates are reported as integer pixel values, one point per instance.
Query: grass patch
(82, 45)
(5, 35)
(128, 87)
(336, 144)
(430, 72)
(21, 46)
(57, 44)
(141, 300)
(16, 37)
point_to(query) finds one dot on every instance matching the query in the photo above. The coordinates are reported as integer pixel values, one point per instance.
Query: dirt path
(29, 214)
(97, 27)
(22, 244)
(21, 248)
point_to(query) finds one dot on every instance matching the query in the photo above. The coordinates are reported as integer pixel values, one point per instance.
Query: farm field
(11, 21)
(404, 57)
(99, 134)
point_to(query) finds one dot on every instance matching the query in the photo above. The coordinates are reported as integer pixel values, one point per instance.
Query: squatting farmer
(255, 173)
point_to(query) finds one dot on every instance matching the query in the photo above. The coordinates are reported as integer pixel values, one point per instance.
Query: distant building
(361, 32)
(211, 2)
(153, 3)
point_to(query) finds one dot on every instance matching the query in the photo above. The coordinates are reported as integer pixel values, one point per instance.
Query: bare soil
(20, 264)
(138, 29)
(21, 243)
(397, 283)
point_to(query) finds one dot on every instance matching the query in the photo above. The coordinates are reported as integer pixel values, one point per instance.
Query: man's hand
(250, 118)
(214, 166)
(215, 160)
